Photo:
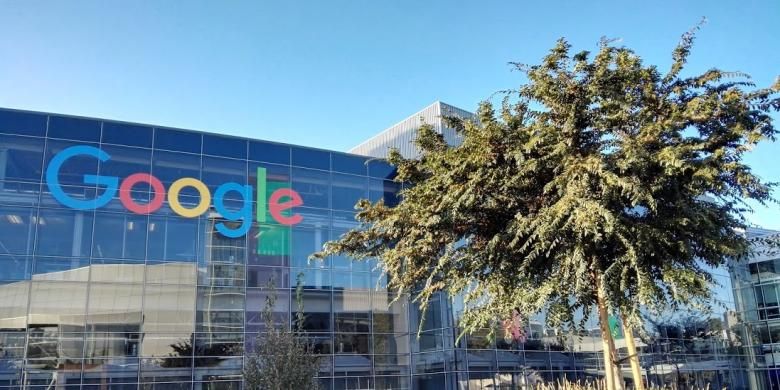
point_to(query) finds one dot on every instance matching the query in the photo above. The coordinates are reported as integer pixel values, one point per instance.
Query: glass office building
(757, 294)
(134, 256)
(95, 295)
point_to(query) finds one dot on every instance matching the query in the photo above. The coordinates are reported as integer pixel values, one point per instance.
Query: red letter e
(276, 208)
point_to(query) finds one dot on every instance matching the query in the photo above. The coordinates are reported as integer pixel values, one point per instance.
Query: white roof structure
(402, 134)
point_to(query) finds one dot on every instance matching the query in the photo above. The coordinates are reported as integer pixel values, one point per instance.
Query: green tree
(282, 358)
(600, 182)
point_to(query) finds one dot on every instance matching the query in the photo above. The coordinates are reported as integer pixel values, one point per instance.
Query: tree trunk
(636, 371)
(613, 377)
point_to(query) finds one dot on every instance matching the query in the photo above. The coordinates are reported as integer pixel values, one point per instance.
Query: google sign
(280, 200)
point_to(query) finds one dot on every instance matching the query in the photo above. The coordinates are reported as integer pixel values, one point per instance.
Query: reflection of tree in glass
(206, 354)
(674, 339)
(282, 358)
(689, 332)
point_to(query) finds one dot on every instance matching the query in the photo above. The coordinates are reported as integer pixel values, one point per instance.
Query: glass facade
(107, 298)
(756, 284)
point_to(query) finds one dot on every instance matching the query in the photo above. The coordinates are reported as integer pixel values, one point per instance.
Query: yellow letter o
(173, 197)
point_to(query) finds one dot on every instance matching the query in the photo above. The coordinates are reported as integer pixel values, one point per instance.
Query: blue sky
(330, 74)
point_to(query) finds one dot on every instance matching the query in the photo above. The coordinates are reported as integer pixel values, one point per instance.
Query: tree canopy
(599, 174)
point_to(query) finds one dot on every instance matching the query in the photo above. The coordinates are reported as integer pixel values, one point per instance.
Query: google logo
(280, 200)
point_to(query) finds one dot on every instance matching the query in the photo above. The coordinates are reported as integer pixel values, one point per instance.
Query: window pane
(12, 371)
(119, 236)
(342, 262)
(429, 362)
(348, 343)
(117, 271)
(350, 365)
(256, 302)
(12, 344)
(391, 343)
(25, 123)
(182, 141)
(347, 190)
(47, 342)
(310, 158)
(361, 374)
(14, 267)
(305, 243)
(384, 190)
(73, 170)
(380, 169)
(313, 218)
(770, 295)
(348, 163)
(317, 309)
(125, 162)
(398, 366)
(217, 345)
(162, 345)
(351, 311)
(313, 186)
(13, 305)
(269, 152)
(173, 238)
(224, 146)
(277, 176)
(221, 251)
(173, 369)
(169, 308)
(220, 309)
(344, 221)
(170, 273)
(261, 276)
(67, 370)
(64, 233)
(60, 304)
(121, 371)
(74, 269)
(19, 194)
(209, 369)
(323, 342)
(17, 229)
(127, 134)
(311, 278)
(21, 158)
(115, 304)
(221, 274)
(78, 129)
(351, 280)
(269, 245)
(389, 317)
(169, 167)
(76, 192)
(217, 171)
(378, 280)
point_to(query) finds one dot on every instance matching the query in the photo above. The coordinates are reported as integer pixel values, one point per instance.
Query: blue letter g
(53, 181)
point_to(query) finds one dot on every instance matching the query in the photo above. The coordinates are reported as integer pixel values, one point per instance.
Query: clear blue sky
(332, 73)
